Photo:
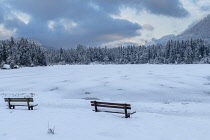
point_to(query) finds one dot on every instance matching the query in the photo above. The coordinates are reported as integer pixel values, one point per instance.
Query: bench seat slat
(106, 103)
(112, 112)
(23, 105)
(18, 99)
(111, 106)
(19, 105)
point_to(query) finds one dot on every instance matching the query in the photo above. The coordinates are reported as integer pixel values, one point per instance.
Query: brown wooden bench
(26, 100)
(125, 107)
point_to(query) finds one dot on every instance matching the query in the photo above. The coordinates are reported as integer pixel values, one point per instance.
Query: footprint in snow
(56, 88)
(206, 84)
(65, 81)
(87, 93)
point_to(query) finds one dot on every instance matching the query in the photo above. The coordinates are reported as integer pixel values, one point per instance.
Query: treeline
(175, 52)
(26, 52)
(22, 52)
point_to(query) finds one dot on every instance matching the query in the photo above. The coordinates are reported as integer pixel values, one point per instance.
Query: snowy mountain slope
(172, 102)
(201, 30)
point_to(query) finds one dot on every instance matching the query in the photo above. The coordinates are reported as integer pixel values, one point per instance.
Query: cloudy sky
(67, 23)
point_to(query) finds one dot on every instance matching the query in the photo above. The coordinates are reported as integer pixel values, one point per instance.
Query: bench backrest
(111, 105)
(19, 99)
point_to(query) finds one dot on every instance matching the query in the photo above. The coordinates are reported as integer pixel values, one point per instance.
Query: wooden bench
(125, 107)
(26, 100)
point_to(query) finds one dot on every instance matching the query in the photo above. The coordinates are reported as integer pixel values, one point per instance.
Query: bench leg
(11, 107)
(95, 104)
(126, 113)
(30, 108)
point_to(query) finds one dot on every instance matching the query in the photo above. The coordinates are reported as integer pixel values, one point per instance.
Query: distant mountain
(201, 30)
(164, 39)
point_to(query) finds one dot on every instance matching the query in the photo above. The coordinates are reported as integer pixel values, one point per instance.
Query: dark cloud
(90, 32)
(3, 11)
(166, 7)
(54, 9)
(87, 22)
(172, 8)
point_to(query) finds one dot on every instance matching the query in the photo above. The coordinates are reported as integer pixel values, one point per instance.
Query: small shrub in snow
(51, 130)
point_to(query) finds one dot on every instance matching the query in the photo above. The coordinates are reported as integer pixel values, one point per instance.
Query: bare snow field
(172, 102)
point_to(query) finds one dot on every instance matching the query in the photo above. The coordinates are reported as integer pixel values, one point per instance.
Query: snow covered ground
(172, 102)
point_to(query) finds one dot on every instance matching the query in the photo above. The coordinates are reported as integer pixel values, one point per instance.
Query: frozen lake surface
(171, 102)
